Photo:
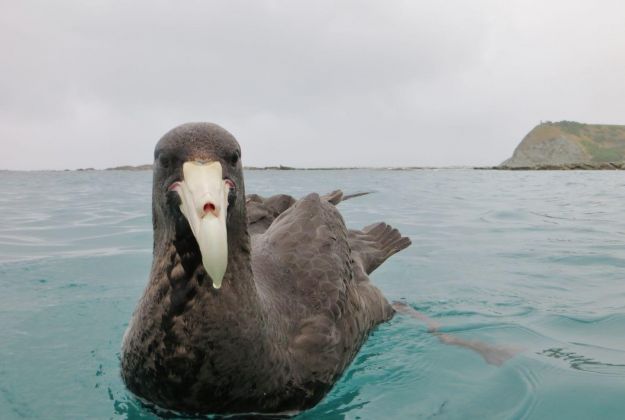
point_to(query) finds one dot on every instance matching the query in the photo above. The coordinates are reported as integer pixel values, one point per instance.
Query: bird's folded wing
(262, 211)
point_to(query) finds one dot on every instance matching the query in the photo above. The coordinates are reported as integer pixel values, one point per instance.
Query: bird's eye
(234, 159)
(164, 161)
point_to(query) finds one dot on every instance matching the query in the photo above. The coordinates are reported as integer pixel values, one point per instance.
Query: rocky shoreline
(614, 166)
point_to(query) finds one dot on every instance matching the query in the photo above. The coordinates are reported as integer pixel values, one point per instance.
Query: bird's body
(294, 307)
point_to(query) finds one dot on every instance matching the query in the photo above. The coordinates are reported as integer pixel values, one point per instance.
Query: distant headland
(569, 145)
(147, 167)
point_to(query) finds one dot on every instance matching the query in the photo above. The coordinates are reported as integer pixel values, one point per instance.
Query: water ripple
(524, 259)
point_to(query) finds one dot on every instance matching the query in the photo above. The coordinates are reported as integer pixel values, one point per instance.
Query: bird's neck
(237, 294)
(186, 326)
(181, 293)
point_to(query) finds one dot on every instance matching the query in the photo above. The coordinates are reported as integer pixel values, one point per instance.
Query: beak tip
(217, 283)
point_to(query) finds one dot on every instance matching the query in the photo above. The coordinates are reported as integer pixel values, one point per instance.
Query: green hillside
(569, 142)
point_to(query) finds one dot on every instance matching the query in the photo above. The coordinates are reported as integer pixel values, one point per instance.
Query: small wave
(591, 320)
(75, 254)
(595, 346)
(583, 363)
(515, 312)
(476, 327)
(532, 383)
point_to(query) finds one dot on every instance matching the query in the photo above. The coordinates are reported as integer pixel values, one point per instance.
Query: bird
(253, 304)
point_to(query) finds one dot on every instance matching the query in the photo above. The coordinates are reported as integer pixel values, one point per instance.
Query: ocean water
(530, 260)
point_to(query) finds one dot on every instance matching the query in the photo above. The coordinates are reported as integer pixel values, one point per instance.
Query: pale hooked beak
(204, 196)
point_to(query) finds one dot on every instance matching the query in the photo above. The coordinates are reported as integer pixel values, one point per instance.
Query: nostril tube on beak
(209, 208)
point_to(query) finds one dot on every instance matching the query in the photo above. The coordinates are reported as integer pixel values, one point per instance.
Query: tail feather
(354, 195)
(389, 237)
(376, 243)
(337, 196)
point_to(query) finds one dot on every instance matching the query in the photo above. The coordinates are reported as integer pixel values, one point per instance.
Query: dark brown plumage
(295, 306)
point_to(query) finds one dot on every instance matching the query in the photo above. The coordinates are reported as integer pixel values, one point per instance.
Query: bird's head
(198, 190)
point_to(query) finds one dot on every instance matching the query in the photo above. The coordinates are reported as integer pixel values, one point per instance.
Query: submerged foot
(492, 354)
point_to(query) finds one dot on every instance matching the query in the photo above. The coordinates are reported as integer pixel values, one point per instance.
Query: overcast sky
(315, 83)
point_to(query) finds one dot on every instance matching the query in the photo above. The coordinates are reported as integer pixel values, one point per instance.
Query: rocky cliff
(570, 145)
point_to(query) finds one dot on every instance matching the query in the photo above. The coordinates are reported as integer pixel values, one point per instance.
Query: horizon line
(148, 167)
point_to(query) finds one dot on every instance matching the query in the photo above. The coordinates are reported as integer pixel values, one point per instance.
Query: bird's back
(309, 268)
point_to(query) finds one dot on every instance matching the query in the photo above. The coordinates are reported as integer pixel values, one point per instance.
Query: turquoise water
(534, 260)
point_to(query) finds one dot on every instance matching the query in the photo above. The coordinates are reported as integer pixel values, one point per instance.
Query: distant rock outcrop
(570, 145)
(147, 167)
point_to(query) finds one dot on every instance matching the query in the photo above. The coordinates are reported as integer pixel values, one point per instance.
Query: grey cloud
(376, 83)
